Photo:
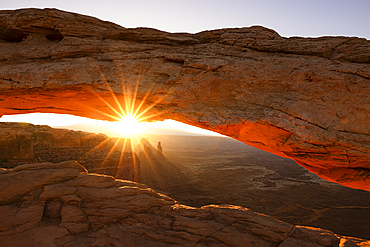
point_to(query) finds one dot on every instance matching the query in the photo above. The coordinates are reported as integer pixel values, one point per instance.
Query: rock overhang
(302, 98)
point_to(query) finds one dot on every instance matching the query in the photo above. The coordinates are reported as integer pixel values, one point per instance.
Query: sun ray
(111, 151)
(135, 93)
(111, 107)
(152, 164)
(129, 110)
(99, 145)
(137, 108)
(148, 108)
(110, 90)
(125, 98)
(105, 114)
(142, 102)
(154, 104)
(154, 115)
(123, 114)
(122, 153)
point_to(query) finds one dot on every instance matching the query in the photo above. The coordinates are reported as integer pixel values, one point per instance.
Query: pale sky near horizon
(99, 126)
(308, 18)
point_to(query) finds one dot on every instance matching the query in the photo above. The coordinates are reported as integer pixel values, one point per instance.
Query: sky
(306, 18)
(116, 129)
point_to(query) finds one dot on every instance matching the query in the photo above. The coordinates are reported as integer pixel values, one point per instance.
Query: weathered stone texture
(108, 212)
(302, 98)
(16, 144)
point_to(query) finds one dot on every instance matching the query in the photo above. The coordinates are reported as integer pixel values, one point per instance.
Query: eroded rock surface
(27, 143)
(302, 98)
(62, 205)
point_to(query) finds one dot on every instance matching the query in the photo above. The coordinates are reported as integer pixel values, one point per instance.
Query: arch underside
(301, 98)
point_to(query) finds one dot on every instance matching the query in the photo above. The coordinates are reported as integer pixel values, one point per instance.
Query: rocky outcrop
(63, 205)
(302, 98)
(27, 143)
(22, 143)
(43, 135)
(16, 144)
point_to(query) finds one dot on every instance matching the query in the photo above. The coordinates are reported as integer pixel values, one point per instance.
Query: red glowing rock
(302, 98)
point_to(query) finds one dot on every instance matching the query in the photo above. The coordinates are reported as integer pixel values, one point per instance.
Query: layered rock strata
(302, 98)
(22, 143)
(27, 143)
(63, 205)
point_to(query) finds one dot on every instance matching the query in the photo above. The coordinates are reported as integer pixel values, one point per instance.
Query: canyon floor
(203, 170)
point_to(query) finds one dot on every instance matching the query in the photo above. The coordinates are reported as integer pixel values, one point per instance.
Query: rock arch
(302, 98)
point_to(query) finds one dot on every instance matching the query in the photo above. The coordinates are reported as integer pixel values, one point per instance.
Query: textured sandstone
(25, 178)
(112, 212)
(302, 98)
(16, 144)
(27, 143)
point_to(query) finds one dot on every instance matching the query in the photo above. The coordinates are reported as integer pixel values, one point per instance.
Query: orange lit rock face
(302, 98)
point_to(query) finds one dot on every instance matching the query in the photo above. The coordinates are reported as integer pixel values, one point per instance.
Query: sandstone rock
(349, 242)
(56, 190)
(25, 178)
(130, 214)
(92, 181)
(307, 235)
(76, 228)
(302, 98)
(13, 217)
(72, 214)
(16, 144)
(258, 224)
(38, 236)
(27, 143)
(235, 237)
(52, 209)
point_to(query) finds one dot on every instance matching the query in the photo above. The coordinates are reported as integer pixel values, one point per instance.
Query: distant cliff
(23, 142)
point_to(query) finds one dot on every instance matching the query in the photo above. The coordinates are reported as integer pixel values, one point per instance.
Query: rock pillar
(160, 155)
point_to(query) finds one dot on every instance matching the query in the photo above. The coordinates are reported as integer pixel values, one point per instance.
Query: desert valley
(198, 170)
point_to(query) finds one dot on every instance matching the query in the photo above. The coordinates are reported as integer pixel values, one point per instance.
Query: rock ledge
(62, 205)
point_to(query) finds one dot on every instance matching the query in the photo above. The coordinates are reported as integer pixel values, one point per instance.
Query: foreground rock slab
(69, 207)
(302, 98)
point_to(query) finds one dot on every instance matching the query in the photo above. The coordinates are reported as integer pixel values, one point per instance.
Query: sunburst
(129, 116)
(128, 126)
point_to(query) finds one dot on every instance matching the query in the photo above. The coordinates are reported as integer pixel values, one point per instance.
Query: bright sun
(129, 125)
(129, 114)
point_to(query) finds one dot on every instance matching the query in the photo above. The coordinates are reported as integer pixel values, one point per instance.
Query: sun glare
(128, 126)
(130, 114)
